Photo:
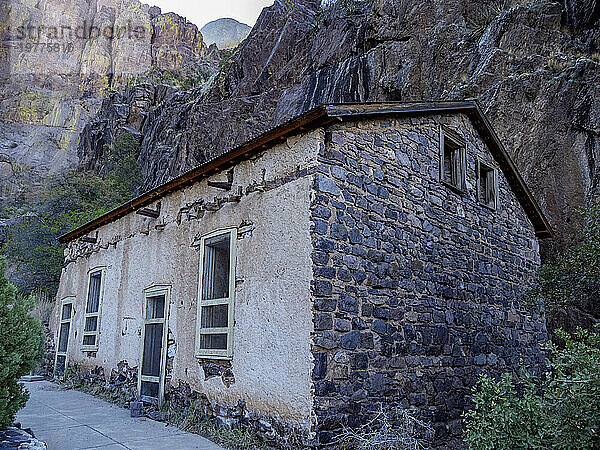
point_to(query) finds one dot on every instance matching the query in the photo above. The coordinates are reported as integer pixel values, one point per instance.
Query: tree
(21, 339)
(69, 201)
(560, 411)
(568, 287)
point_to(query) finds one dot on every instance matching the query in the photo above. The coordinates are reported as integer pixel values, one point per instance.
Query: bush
(70, 201)
(573, 278)
(562, 411)
(21, 339)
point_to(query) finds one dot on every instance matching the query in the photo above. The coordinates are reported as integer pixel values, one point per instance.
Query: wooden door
(151, 371)
(64, 333)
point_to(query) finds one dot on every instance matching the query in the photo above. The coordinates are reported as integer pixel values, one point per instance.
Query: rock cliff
(533, 65)
(60, 59)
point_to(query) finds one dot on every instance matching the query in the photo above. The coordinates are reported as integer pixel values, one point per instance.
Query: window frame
(460, 142)
(226, 354)
(149, 292)
(98, 314)
(480, 199)
(65, 301)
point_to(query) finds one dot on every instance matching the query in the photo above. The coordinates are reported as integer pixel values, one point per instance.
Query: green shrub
(561, 411)
(573, 277)
(21, 339)
(70, 200)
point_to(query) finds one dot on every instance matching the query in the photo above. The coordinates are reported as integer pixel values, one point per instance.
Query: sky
(200, 12)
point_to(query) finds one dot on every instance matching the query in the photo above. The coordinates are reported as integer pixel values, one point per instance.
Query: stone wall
(184, 406)
(46, 366)
(416, 287)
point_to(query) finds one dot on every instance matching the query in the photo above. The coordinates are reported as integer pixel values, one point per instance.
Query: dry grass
(557, 63)
(193, 421)
(486, 14)
(44, 305)
(388, 430)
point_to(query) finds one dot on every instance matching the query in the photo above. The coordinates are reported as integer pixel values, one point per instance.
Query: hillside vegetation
(70, 200)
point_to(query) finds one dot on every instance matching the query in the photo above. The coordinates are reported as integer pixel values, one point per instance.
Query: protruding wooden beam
(225, 185)
(147, 212)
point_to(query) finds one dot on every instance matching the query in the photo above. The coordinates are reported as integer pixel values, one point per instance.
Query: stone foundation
(121, 387)
(46, 367)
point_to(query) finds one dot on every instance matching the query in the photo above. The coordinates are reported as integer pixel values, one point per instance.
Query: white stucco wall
(273, 314)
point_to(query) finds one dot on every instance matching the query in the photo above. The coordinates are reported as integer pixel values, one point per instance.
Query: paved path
(68, 420)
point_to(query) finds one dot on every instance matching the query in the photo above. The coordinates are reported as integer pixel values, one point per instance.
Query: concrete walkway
(68, 420)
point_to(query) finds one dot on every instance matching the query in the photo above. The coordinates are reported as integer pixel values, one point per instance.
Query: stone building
(359, 255)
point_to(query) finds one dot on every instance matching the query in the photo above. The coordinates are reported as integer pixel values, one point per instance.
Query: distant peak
(225, 32)
(227, 20)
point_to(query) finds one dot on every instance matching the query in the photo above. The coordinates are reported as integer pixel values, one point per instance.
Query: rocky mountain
(533, 65)
(225, 33)
(60, 58)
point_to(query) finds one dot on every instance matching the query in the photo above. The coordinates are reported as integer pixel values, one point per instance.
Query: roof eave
(297, 125)
(322, 116)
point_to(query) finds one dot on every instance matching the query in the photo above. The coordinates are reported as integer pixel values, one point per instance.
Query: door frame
(65, 301)
(154, 291)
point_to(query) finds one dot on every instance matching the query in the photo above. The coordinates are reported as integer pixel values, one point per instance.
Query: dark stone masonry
(416, 285)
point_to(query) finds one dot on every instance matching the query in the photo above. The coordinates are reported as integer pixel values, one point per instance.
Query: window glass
(64, 337)
(453, 162)
(213, 341)
(93, 302)
(487, 185)
(155, 309)
(67, 311)
(149, 389)
(215, 325)
(61, 363)
(152, 349)
(215, 278)
(215, 316)
(92, 309)
(91, 323)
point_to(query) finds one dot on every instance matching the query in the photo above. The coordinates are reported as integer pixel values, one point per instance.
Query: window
(216, 294)
(64, 331)
(91, 327)
(453, 160)
(487, 185)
